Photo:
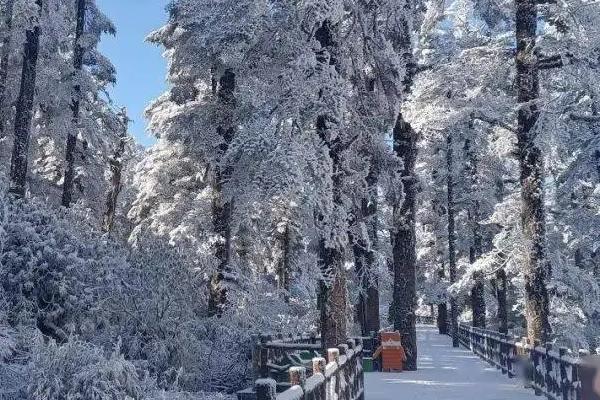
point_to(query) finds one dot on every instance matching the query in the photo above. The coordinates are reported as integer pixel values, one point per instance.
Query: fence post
(266, 389)
(548, 380)
(333, 355)
(263, 357)
(298, 376)
(564, 388)
(319, 364)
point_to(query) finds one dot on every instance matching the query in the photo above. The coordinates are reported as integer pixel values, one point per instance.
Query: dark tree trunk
(475, 249)
(404, 301)
(116, 169)
(69, 177)
(452, 238)
(533, 222)
(333, 298)
(442, 318)
(4, 60)
(478, 300)
(333, 293)
(501, 289)
(404, 244)
(364, 257)
(222, 208)
(442, 315)
(24, 111)
(284, 267)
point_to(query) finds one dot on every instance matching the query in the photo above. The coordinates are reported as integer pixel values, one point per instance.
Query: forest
(327, 166)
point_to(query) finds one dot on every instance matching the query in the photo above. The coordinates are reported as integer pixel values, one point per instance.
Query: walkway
(445, 373)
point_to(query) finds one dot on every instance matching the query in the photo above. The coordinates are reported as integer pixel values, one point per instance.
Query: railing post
(319, 364)
(263, 358)
(266, 389)
(298, 376)
(548, 380)
(535, 358)
(564, 387)
(333, 355)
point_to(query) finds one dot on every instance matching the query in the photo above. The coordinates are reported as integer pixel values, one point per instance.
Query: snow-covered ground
(445, 373)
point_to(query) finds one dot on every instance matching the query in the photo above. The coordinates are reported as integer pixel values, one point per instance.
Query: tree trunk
(501, 288)
(284, 267)
(452, 238)
(116, 169)
(333, 293)
(442, 314)
(364, 257)
(333, 298)
(404, 244)
(24, 111)
(4, 60)
(222, 208)
(475, 249)
(442, 318)
(67, 194)
(532, 177)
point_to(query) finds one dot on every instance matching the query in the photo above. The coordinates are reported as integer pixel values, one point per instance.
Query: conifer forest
(333, 167)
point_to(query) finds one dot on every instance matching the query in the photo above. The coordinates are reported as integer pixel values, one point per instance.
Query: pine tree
(404, 236)
(4, 59)
(24, 109)
(78, 53)
(454, 310)
(531, 173)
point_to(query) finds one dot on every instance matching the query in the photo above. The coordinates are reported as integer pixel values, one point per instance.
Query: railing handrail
(340, 376)
(555, 373)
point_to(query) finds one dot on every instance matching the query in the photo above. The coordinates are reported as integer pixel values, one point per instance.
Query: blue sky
(141, 70)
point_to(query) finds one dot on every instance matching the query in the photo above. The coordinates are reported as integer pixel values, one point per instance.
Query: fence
(552, 372)
(285, 370)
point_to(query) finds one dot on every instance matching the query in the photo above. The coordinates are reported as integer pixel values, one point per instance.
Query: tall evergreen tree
(78, 53)
(24, 109)
(533, 216)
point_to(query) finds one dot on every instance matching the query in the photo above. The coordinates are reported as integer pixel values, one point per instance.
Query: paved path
(445, 373)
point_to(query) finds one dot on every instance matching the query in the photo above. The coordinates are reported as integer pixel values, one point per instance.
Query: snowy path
(445, 373)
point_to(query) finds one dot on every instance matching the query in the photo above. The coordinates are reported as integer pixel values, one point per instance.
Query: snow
(293, 393)
(445, 373)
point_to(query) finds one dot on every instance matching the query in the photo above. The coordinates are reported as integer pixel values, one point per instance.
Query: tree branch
(493, 121)
(585, 117)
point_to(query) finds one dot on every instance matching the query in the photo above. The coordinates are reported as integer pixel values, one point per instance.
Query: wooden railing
(552, 372)
(283, 372)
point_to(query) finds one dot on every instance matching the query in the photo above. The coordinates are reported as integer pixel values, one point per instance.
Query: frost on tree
(24, 108)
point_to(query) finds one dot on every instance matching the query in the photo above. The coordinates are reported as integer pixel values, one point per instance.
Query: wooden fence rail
(339, 377)
(550, 371)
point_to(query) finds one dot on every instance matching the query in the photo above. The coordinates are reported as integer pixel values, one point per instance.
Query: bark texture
(531, 173)
(24, 111)
(333, 294)
(116, 169)
(442, 318)
(69, 177)
(404, 237)
(452, 237)
(364, 259)
(501, 288)
(475, 249)
(221, 207)
(4, 60)
(404, 244)
(284, 267)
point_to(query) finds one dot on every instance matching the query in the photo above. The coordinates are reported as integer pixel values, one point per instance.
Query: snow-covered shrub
(79, 370)
(51, 269)
(158, 307)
